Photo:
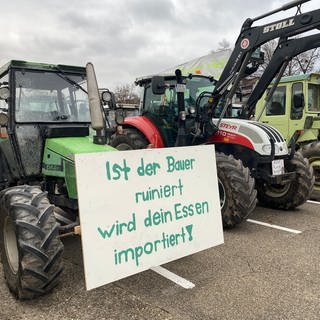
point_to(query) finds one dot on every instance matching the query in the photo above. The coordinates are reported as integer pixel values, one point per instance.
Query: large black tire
(31, 250)
(130, 139)
(311, 151)
(292, 194)
(238, 196)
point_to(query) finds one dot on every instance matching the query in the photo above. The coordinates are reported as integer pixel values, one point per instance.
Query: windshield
(50, 97)
(167, 103)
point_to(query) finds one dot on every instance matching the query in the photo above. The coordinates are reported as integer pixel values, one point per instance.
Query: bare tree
(308, 60)
(303, 63)
(224, 44)
(125, 94)
(268, 49)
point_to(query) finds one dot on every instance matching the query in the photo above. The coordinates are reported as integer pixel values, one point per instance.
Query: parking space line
(311, 201)
(184, 283)
(274, 226)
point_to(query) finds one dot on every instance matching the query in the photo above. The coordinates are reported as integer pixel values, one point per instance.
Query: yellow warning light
(197, 71)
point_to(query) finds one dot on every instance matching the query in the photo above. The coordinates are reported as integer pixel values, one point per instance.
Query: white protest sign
(143, 208)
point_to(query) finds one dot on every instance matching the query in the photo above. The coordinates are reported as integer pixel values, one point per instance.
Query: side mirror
(3, 119)
(157, 84)
(4, 93)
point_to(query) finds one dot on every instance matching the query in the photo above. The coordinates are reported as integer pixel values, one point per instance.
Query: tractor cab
(38, 101)
(162, 109)
(294, 107)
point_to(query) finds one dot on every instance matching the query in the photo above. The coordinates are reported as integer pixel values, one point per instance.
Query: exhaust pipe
(98, 122)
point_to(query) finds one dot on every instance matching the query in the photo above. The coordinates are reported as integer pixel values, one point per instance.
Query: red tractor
(253, 159)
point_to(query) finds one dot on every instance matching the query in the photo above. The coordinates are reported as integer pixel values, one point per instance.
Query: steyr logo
(280, 25)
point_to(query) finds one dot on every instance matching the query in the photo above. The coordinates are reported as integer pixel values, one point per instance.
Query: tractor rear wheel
(131, 139)
(238, 196)
(291, 194)
(30, 247)
(311, 151)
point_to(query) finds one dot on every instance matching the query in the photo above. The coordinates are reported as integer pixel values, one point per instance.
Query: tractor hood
(58, 158)
(251, 134)
(68, 147)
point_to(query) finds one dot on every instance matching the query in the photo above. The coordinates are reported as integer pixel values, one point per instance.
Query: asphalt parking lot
(259, 273)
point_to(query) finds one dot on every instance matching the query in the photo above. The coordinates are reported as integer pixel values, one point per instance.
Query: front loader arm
(252, 38)
(284, 52)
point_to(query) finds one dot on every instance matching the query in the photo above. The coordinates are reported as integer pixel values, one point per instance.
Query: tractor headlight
(106, 96)
(183, 115)
(4, 93)
(192, 110)
(267, 148)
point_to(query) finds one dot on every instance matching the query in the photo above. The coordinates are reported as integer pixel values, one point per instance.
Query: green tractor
(44, 121)
(294, 109)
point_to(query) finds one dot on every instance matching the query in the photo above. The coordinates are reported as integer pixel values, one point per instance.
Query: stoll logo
(280, 25)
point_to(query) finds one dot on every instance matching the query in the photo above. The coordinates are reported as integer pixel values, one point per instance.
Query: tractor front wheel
(311, 151)
(30, 247)
(130, 139)
(292, 194)
(238, 196)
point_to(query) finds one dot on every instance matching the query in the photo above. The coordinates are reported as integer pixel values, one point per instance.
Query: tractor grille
(271, 132)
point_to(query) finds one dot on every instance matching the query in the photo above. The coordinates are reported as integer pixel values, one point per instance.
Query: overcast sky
(125, 39)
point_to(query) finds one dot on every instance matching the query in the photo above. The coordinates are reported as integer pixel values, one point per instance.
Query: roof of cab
(19, 64)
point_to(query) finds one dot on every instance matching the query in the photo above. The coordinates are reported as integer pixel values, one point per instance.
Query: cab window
(160, 104)
(277, 104)
(313, 97)
(297, 103)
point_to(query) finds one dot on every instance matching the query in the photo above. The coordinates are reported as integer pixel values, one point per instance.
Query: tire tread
(40, 249)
